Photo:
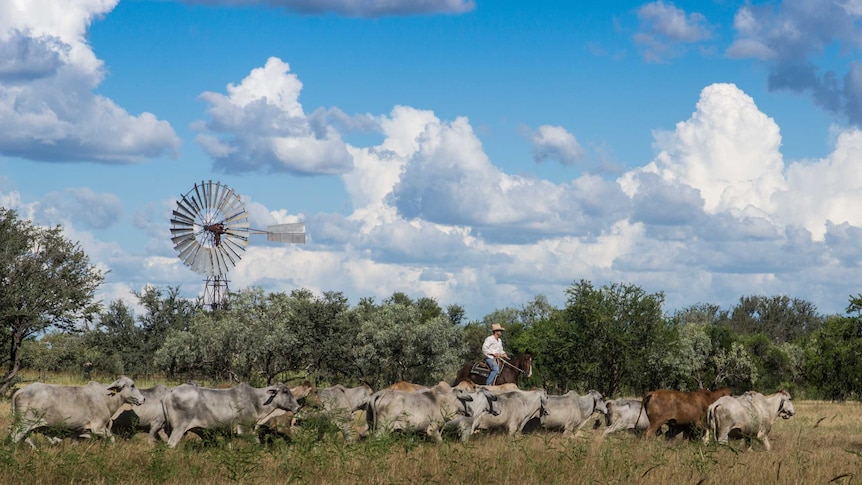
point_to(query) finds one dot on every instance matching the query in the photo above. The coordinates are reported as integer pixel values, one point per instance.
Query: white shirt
(492, 345)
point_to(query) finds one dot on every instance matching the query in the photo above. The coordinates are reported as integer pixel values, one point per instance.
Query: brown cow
(678, 409)
(407, 387)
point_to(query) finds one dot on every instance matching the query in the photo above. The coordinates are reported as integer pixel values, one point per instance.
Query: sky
(477, 152)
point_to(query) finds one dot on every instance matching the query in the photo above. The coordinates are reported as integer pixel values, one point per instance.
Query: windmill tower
(210, 230)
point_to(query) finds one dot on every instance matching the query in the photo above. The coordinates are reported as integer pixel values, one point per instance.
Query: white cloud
(81, 206)
(48, 110)
(450, 181)
(664, 30)
(555, 143)
(793, 37)
(261, 126)
(728, 150)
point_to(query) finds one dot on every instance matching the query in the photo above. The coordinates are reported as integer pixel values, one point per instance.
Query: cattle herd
(463, 410)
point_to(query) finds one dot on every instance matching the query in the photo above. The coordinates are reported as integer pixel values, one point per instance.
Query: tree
(605, 338)
(46, 281)
(780, 318)
(118, 342)
(392, 343)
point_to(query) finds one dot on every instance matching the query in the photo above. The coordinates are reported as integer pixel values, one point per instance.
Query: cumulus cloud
(450, 180)
(728, 150)
(555, 143)
(48, 110)
(80, 206)
(357, 8)
(665, 29)
(260, 126)
(791, 36)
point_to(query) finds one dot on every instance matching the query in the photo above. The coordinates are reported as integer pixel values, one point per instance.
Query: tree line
(615, 338)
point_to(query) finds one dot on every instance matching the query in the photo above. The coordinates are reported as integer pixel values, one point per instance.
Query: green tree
(46, 281)
(604, 339)
(781, 318)
(392, 343)
(833, 358)
(118, 341)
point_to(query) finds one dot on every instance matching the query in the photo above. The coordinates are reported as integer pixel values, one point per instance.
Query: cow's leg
(765, 440)
(176, 435)
(653, 429)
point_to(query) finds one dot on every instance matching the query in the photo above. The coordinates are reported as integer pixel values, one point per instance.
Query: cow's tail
(711, 424)
(371, 411)
(644, 405)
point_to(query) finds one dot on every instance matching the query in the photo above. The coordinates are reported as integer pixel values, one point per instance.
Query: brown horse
(521, 364)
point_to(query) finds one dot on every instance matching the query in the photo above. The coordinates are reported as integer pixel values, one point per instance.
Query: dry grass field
(821, 444)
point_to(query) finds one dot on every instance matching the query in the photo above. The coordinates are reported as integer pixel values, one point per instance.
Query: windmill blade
(199, 189)
(237, 216)
(186, 207)
(182, 242)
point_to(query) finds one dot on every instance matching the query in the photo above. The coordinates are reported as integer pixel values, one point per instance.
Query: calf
(516, 409)
(678, 409)
(149, 416)
(571, 411)
(625, 414)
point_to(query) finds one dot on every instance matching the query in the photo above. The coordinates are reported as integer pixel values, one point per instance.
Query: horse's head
(527, 364)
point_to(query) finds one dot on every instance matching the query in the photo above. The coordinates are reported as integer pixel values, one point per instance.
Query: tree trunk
(14, 363)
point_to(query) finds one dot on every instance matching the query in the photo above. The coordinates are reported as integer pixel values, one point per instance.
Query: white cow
(571, 411)
(516, 409)
(338, 403)
(192, 408)
(149, 416)
(625, 414)
(748, 416)
(428, 411)
(70, 410)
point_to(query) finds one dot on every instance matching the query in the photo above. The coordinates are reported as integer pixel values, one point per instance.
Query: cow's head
(785, 408)
(599, 405)
(280, 396)
(127, 390)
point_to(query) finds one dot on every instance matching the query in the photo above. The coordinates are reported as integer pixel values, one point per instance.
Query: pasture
(821, 444)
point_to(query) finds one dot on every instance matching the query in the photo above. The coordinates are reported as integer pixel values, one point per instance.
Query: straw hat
(497, 326)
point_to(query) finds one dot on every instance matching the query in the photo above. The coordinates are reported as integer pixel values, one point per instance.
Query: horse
(521, 364)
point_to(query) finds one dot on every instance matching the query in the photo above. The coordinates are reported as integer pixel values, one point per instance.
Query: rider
(493, 350)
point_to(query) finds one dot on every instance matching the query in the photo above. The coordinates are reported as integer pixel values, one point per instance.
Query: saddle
(480, 368)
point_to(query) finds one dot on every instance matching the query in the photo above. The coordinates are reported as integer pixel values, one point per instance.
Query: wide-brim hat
(497, 326)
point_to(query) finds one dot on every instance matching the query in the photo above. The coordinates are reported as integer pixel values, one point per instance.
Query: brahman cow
(571, 411)
(426, 411)
(196, 409)
(680, 410)
(149, 416)
(748, 416)
(516, 409)
(70, 410)
(625, 414)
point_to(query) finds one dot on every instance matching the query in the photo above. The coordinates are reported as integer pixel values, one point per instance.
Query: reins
(512, 366)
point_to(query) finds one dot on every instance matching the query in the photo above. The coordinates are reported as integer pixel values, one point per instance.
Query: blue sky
(476, 152)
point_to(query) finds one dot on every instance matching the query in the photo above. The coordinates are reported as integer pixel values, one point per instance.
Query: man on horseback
(492, 348)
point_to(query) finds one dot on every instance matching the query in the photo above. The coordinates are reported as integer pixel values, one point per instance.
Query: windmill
(210, 230)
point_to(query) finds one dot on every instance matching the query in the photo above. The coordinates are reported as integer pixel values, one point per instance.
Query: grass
(821, 444)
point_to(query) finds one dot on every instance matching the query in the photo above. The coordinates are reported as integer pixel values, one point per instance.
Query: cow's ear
(113, 390)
